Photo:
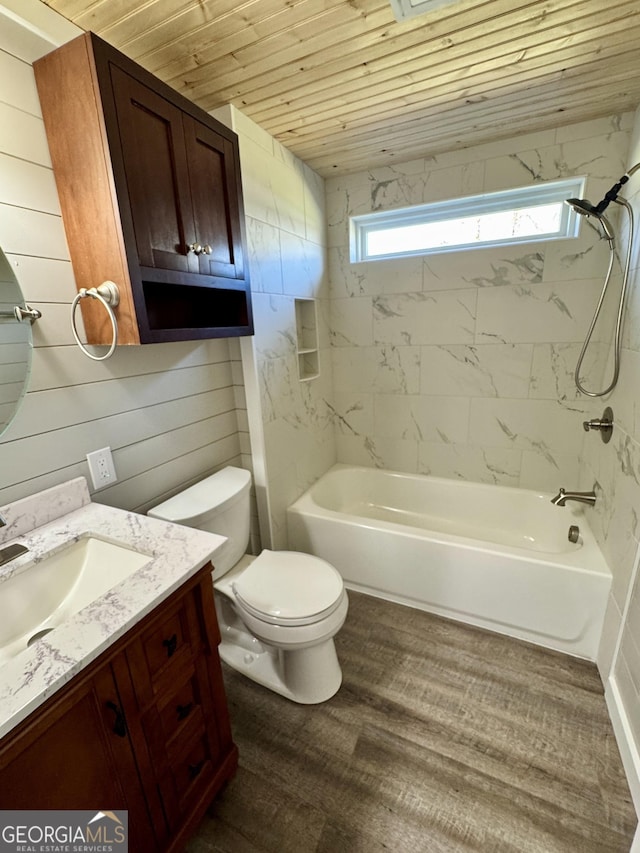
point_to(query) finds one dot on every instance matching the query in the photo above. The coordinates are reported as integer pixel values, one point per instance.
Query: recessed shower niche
(307, 339)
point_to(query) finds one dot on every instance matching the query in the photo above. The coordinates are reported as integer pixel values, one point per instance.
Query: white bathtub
(491, 556)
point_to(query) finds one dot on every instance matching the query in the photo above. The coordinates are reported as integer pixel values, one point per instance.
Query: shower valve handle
(603, 424)
(596, 423)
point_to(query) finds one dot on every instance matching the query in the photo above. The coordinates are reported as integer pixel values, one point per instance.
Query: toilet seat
(288, 588)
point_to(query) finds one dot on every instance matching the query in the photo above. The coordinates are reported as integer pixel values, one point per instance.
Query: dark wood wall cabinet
(151, 198)
(145, 728)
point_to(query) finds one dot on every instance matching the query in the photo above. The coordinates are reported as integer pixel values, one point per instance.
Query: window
(404, 9)
(522, 215)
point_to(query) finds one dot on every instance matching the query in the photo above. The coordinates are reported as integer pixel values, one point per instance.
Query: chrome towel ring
(109, 295)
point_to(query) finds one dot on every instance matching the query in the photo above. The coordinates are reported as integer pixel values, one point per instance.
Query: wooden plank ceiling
(345, 87)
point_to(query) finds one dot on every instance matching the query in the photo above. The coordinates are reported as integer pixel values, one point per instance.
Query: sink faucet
(10, 552)
(582, 497)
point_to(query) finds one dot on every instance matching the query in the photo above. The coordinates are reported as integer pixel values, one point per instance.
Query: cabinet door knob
(120, 724)
(183, 711)
(194, 769)
(196, 248)
(207, 249)
(170, 645)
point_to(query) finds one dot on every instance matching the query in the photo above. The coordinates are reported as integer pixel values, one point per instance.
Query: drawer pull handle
(120, 724)
(171, 644)
(194, 769)
(183, 711)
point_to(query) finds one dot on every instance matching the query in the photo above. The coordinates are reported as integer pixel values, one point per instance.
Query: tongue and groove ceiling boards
(345, 86)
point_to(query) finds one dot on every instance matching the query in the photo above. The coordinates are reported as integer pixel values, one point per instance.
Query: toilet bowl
(278, 612)
(279, 643)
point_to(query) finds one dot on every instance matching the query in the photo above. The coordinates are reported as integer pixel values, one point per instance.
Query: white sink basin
(45, 593)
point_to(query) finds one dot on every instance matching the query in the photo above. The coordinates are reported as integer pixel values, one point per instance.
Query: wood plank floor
(443, 738)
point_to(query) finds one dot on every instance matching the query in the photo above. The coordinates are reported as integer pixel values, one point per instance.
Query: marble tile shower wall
(286, 233)
(460, 364)
(615, 467)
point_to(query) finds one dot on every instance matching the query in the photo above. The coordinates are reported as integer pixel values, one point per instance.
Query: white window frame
(442, 211)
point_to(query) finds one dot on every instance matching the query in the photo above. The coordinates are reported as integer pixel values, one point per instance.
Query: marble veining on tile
(537, 299)
(553, 368)
(529, 267)
(425, 318)
(625, 452)
(484, 370)
(541, 314)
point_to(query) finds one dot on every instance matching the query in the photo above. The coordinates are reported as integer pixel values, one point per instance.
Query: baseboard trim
(624, 738)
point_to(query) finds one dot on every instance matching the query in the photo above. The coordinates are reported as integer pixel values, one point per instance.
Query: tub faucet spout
(582, 497)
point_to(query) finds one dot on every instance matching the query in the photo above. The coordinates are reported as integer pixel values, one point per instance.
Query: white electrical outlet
(101, 468)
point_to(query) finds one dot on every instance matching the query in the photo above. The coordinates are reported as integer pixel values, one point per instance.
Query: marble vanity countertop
(50, 521)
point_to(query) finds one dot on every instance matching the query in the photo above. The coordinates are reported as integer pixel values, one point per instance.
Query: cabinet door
(214, 194)
(157, 180)
(77, 755)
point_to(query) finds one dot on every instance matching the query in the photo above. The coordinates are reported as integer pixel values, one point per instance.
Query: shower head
(585, 208)
(581, 206)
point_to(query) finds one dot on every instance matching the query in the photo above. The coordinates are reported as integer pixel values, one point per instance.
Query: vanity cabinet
(151, 198)
(145, 728)
(69, 757)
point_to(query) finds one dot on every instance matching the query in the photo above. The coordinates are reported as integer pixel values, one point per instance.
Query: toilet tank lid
(218, 492)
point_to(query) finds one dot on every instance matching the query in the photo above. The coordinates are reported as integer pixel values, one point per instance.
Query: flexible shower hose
(618, 334)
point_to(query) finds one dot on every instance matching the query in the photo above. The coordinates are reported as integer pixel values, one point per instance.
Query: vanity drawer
(186, 703)
(191, 768)
(184, 726)
(165, 651)
(166, 645)
(184, 709)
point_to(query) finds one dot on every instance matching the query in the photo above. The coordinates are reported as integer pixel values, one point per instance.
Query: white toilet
(279, 612)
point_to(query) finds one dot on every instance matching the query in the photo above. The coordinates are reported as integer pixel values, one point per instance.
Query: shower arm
(612, 195)
(625, 277)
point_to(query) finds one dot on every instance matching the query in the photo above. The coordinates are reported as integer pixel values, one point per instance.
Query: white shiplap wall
(168, 411)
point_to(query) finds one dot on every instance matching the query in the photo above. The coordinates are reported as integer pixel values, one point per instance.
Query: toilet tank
(218, 504)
